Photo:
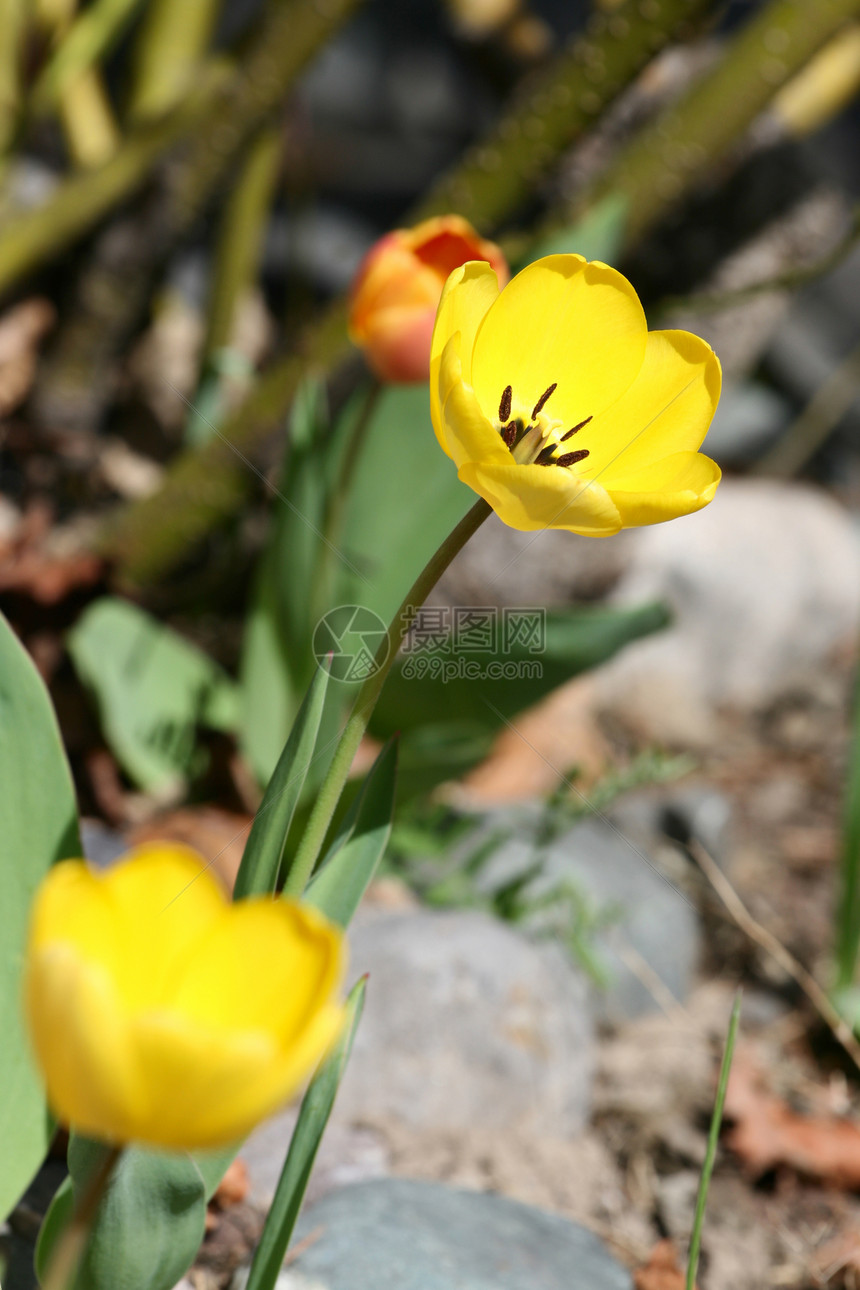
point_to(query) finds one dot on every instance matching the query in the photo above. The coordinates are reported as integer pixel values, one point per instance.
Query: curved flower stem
(71, 1245)
(333, 784)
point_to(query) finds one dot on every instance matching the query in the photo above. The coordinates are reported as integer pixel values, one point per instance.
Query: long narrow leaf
(307, 1135)
(38, 825)
(341, 881)
(713, 1138)
(261, 863)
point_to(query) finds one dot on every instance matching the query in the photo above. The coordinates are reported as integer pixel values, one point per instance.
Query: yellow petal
(265, 964)
(560, 320)
(208, 1087)
(530, 498)
(467, 432)
(677, 485)
(80, 1033)
(666, 410)
(467, 295)
(163, 898)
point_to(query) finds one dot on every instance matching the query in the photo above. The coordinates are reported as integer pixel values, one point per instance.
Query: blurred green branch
(168, 52)
(82, 46)
(31, 238)
(555, 107)
(665, 160)
(12, 26)
(206, 485)
(221, 112)
(790, 280)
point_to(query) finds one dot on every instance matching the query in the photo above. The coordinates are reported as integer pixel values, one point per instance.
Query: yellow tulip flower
(162, 1014)
(561, 409)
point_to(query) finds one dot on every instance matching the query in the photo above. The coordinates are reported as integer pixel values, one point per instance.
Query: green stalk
(241, 237)
(89, 38)
(30, 239)
(60, 1273)
(555, 107)
(87, 119)
(332, 787)
(170, 46)
(12, 26)
(848, 907)
(713, 1140)
(687, 140)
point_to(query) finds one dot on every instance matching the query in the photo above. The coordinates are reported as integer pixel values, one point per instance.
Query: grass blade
(313, 1118)
(713, 1138)
(261, 863)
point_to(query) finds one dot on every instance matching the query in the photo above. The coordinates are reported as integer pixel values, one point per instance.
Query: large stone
(404, 1235)
(764, 585)
(467, 1024)
(614, 884)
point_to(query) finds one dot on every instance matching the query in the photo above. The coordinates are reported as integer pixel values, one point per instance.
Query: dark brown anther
(571, 458)
(545, 457)
(573, 430)
(505, 404)
(509, 434)
(542, 400)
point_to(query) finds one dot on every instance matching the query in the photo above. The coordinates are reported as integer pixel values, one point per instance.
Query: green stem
(332, 787)
(66, 1258)
(89, 38)
(713, 1140)
(241, 236)
(12, 26)
(688, 139)
(172, 41)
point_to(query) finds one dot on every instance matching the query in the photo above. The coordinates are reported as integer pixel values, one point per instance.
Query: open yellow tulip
(560, 408)
(162, 1014)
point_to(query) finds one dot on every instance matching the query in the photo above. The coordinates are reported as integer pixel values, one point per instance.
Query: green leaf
(264, 852)
(313, 1118)
(404, 500)
(417, 695)
(149, 1225)
(38, 825)
(340, 882)
(277, 662)
(153, 690)
(599, 235)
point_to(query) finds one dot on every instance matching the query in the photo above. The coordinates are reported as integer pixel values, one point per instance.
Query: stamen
(574, 429)
(571, 458)
(543, 398)
(545, 458)
(505, 404)
(509, 434)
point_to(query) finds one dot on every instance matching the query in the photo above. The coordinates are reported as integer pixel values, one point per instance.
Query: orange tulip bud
(397, 290)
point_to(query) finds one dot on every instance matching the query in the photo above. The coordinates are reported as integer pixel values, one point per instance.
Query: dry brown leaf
(21, 330)
(767, 1133)
(233, 1187)
(662, 1271)
(219, 836)
(531, 755)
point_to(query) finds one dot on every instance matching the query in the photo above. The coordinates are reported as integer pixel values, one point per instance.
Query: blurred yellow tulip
(160, 1013)
(561, 409)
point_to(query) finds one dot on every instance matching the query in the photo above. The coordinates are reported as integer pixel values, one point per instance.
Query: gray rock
(102, 846)
(403, 1235)
(637, 924)
(764, 585)
(749, 417)
(347, 1154)
(467, 1025)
